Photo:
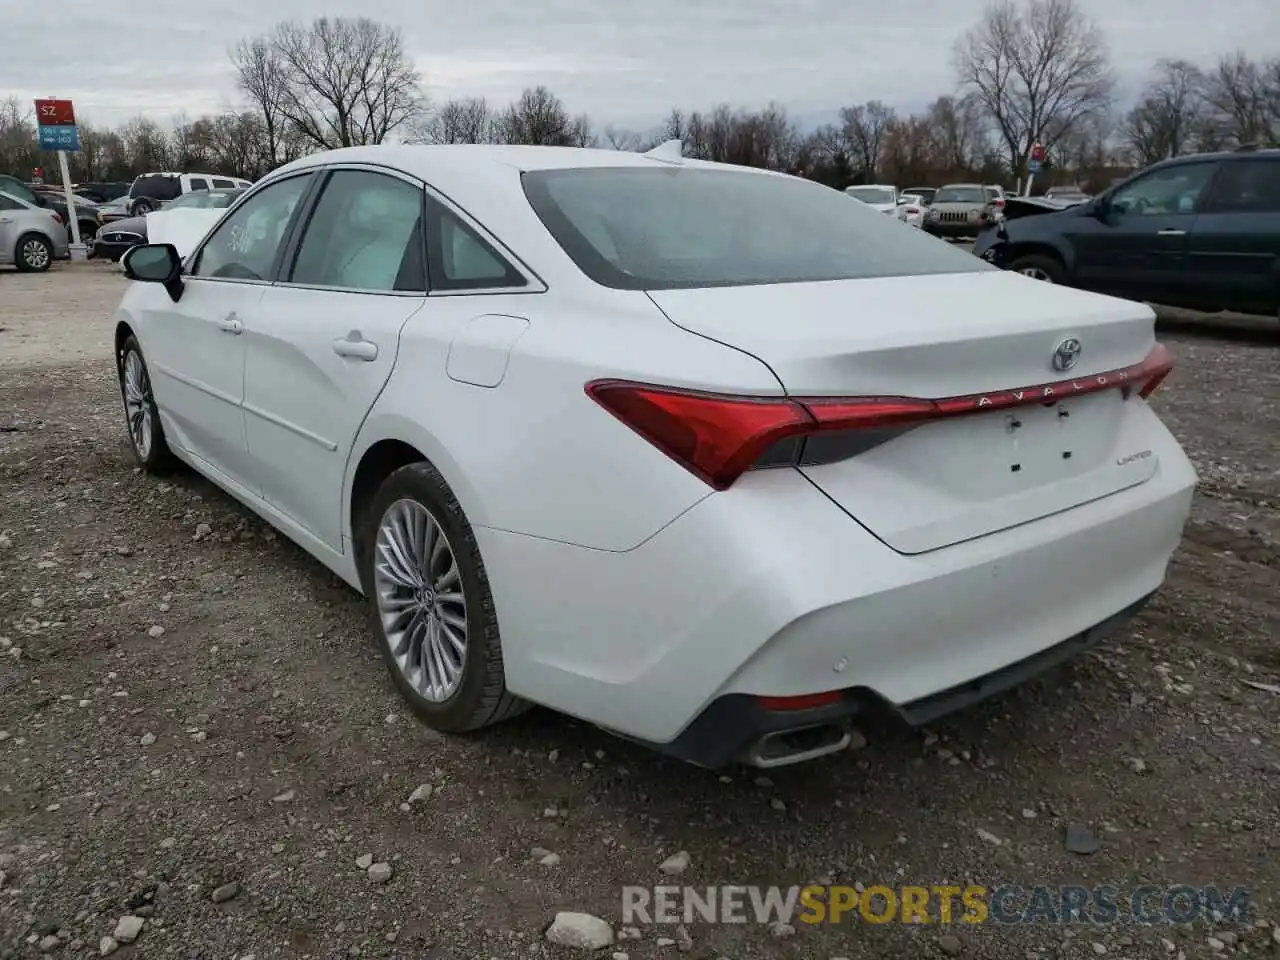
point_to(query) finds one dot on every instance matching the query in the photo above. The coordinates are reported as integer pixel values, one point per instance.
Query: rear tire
(430, 605)
(1040, 267)
(34, 253)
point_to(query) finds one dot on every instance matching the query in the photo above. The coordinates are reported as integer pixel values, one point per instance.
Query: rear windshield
(673, 227)
(870, 194)
(960, 195)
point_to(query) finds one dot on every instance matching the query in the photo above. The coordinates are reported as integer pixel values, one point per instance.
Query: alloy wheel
(35, 254)
(137, 403)
(420, 600)
(1036, 273)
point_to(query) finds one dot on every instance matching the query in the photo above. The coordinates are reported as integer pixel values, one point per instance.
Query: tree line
(1025, 73)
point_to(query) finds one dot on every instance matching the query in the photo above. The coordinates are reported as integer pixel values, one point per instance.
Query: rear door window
(1246, 186)
(199, 183)
(220, 184)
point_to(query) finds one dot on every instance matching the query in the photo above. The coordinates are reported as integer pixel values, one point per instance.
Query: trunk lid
(945, 336)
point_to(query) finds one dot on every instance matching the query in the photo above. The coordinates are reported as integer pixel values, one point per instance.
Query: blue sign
(60, 138)
(1033, 166)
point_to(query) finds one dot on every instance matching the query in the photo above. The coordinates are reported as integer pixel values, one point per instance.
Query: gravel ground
(195, 729)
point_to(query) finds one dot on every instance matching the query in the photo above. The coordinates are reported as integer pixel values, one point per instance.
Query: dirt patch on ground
(196, 714)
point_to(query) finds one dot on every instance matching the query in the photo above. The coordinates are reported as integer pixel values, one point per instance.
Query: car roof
(424, 159)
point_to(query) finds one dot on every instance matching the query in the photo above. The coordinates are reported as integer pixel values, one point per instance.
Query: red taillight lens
(805, 701)
(718, 437)
(57, 217)
(1157, 366)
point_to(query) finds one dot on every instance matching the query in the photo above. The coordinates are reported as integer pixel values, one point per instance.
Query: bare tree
(864, 128)
(1037, 69)
(264, 80)
(1169, 114)
(457, 121)
(620, 139)
(347, 82)
(1241, 103)
(537, 118)
(17, 135)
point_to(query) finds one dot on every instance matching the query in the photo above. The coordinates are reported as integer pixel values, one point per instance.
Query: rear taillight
(914, 211)
(719, 437)
(57, 217)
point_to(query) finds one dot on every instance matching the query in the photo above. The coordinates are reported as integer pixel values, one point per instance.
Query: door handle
(355, 346)
(6, 220)
(231, 324)
(1171, 233)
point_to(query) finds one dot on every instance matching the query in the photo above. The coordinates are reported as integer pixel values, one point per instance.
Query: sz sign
(55, 113)
(56, 125)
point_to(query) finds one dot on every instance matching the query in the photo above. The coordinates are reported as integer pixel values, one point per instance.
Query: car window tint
(460, 259)
(222, 184)
(199, 184)
(1246, 186)
(1171, 190)
(364, 234)
(960, 195)
(7, 204)
(245, 245)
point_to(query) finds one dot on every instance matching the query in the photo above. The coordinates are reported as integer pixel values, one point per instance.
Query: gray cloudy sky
(625, 62)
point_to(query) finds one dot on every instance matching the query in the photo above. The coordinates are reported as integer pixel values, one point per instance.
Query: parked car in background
(613, 433)
(185, 221)
(958, 210)
(150, 190)
(995, 198)
(926, 194)
(1200, 231)
(181, 222)
(85, 212)
(1066, 196)
(911, 210)
(881, 196)
(103, 192)
(31, 236)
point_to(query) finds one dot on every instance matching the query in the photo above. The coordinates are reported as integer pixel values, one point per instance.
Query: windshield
(960, 195)
(870, 194)
(659, 229)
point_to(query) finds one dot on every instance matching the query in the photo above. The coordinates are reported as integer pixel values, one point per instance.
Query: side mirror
(155, 263)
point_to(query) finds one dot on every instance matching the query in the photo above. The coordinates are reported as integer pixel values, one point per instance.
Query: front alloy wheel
(146, 435)
(420, 599)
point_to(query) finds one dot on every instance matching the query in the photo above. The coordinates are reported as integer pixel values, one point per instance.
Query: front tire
(146, 435)
(1039, 267)
(35, 253)
(430, 603)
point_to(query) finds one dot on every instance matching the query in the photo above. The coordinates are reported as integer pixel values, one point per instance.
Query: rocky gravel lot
(201, 755)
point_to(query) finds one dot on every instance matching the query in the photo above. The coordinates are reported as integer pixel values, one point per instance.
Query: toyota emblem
(1067, 354)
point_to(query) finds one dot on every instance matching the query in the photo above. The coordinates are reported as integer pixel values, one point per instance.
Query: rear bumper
(727, 730)
(769, 590)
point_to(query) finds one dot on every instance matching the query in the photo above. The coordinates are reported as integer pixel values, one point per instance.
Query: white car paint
(631, 591)
(911, 210)
(184, 227)
(877, 196)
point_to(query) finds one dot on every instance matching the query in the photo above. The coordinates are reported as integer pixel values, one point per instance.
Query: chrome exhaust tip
(784, 747)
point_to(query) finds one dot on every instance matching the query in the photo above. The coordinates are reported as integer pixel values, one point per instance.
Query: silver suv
(958, 210)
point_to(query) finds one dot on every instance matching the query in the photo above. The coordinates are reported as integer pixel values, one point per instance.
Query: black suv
(1200, 231)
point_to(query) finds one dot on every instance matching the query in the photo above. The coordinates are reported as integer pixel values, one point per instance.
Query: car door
(1233, 259)
(322, 344)
(195, 347)
(8, 227)
(1135, 242)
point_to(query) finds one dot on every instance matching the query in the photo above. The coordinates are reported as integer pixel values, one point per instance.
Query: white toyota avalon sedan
(708, 456)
